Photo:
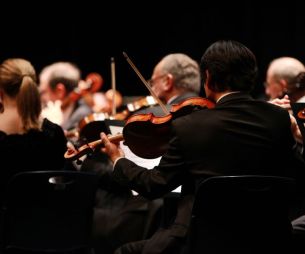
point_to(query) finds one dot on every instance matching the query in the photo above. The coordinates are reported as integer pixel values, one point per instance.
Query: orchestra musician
(27, 141)
(281, 74)
(57, 83)
(116, 205)
(233, 138)
(175, 78)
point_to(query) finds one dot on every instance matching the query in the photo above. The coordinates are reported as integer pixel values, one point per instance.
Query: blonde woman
(27, 142)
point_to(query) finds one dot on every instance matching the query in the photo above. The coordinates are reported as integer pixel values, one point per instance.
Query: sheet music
(147, 163)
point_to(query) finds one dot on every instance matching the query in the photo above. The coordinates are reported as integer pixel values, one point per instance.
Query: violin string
(165, 110)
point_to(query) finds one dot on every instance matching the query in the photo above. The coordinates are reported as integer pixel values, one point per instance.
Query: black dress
(35, 150)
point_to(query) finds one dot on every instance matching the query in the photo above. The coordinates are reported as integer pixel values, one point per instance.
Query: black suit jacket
(238, 136)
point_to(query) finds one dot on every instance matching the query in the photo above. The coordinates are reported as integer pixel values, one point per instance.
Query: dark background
(89, 34)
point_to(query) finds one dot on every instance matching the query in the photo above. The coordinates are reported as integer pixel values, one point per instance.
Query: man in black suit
(239, 136)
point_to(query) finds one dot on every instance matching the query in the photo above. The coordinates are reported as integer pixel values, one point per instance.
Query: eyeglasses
(152, 81)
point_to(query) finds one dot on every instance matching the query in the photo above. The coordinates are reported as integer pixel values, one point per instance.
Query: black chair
(241, 214)
(49, 212)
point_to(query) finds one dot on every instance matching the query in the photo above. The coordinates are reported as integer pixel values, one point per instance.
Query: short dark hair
(70, 84)
(231, 65)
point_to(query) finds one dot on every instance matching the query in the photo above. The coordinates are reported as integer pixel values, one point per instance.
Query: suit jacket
(80, 111)
(240, 136)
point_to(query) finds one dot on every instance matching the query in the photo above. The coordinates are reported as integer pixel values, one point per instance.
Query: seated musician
(27, 141)
(175, 78)
(57, 82)
(117, 207)
(210, 142)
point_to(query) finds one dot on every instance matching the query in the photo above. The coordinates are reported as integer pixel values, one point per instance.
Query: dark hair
(231, 65)
(70, 84)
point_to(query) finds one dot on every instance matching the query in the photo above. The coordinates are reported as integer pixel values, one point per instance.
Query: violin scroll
(94, 82)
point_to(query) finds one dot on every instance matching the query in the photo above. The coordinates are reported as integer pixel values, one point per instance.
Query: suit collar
(234, 97)
(183, 97)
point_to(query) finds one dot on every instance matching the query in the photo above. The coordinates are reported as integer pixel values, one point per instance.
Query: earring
(1, 106)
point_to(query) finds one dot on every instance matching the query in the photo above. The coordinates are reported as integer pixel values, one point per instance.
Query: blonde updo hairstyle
(18, 81)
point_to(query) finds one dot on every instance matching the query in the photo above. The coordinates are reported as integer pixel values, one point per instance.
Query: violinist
(280, 77)
(233, 138)
(285, 84)
(175, 78)
(57, 83)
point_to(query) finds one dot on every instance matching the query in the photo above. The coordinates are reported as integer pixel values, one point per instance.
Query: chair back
(241, 214)
(49, 211)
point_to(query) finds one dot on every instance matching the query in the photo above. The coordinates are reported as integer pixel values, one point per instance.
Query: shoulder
(52, 129)
(195, 117)
(82, 107)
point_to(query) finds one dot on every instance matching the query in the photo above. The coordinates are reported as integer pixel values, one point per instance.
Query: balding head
(281, 74)
(65, 70)
(285, 68)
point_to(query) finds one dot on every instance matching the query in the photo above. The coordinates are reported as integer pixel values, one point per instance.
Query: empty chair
(49, 211)
(241, 214)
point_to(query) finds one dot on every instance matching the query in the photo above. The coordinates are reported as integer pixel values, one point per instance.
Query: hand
(296, 130)
(284, 102)
(113, 150)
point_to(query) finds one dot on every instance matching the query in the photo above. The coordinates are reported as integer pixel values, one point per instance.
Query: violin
(148, 130)
(134, 106)
(91, 84)
(93, 124)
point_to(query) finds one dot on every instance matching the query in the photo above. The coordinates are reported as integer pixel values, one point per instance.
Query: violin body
(148, 135)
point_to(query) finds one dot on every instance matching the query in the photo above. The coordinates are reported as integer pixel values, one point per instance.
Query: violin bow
(163, 107)
(113, 86)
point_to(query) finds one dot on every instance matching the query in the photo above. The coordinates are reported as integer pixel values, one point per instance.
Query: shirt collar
(226, 95)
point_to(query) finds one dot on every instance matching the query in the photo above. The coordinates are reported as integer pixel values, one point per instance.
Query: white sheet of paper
(147, 163)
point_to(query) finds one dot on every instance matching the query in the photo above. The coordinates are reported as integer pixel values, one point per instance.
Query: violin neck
(116, 138)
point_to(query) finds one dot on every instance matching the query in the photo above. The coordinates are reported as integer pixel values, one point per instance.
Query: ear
(207, 82)
(284, 85)
(169, 84)
(1, 104)
(207, 85)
